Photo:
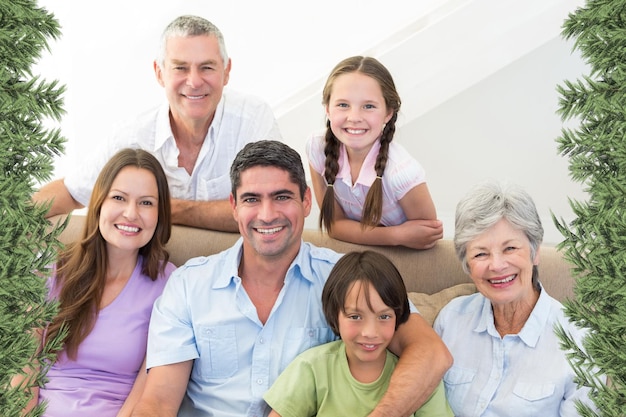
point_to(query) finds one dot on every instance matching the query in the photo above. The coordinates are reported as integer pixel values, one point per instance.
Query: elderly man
(195, 135)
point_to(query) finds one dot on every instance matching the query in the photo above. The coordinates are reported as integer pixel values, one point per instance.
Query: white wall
(106, 52)
(504, 126)
(505, 129)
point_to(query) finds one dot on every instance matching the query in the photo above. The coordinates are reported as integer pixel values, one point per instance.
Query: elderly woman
(507, 357)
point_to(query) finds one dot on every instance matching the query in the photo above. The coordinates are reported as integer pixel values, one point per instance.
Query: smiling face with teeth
(129, 212)
(193, 75)
(270, 210)
(501, 265)
(366, 327)
(357, 111)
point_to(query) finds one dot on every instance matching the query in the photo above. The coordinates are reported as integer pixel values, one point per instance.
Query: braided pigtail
(331, 168)
(373, 207)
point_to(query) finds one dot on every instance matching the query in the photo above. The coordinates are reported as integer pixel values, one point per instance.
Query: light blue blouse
(523, 375)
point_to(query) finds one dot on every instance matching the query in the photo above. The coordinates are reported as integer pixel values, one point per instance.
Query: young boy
(364, 301)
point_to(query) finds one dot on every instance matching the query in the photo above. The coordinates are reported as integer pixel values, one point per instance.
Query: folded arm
(57, 193)
(421, 231)
(415, 234)
(424, 359)
(214, 215)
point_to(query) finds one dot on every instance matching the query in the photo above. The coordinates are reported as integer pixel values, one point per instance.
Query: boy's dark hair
(368, 267)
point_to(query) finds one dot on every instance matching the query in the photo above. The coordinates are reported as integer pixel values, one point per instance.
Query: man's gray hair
(188, 25)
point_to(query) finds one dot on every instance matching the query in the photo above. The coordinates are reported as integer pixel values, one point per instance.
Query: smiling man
(194, 135)
(228, 324)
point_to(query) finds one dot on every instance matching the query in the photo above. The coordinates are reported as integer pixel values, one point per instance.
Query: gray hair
(269, 153)
(188, 25)
(485, 205)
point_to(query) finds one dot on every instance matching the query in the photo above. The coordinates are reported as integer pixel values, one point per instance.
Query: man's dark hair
(270, 153)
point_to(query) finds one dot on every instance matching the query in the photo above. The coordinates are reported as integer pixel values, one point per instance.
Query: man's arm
(165, 388)
(214, 215)
(424, 359)
(56, 192)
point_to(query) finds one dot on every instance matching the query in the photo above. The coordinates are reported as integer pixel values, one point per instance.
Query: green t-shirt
(318, 383)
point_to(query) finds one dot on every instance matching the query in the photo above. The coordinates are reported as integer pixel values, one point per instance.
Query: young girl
(364, 302)
(362, 180)
(106, 284)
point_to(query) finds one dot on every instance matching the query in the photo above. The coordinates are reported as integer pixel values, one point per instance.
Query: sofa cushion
(423, 271)
(430, 304)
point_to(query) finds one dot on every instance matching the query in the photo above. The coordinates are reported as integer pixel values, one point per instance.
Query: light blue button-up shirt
(523, 375)
(205, 314)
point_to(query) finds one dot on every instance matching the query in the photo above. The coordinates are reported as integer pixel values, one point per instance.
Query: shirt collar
(537, 320)
(230, 272)
(300, 267)
(164, 128)
(216, 123)
(533, 327)
(485, 320)
(367, 175)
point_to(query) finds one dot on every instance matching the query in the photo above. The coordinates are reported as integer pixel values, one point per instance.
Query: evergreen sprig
(28, 243)
(595, 241)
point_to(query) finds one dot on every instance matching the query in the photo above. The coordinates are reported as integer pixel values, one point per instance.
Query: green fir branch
(595, 241)
(28, 243)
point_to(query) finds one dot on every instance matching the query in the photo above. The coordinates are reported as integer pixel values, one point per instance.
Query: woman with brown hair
(106, 284)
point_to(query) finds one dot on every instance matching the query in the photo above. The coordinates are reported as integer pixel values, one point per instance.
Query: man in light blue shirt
(228, 324)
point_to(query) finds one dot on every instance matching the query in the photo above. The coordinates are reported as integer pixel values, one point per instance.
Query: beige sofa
(432, 276)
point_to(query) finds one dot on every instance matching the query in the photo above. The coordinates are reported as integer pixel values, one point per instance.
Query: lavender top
(108, 360)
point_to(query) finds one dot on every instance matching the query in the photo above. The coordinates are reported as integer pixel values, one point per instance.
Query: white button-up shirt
(238, 120)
